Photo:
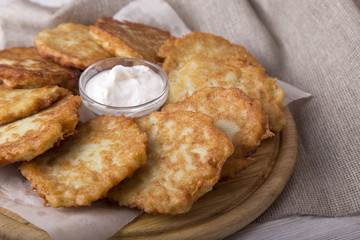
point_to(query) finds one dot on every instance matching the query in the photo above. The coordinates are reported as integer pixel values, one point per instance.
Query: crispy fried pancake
(234, 113)
(19, 103)
(201, 72)
(177, 51)
(70, 45)
(29, 137)
(84, 167)
(127, 39)
(22, 67)
(185, 155)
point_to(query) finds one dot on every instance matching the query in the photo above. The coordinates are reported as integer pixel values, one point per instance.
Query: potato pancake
(185, 154)
(128, 39)
(29, 137)
(199, 72)
(70, 45)
(84, 167)
(19, 103)
(22, 67)
(234, 113)
(177, 51)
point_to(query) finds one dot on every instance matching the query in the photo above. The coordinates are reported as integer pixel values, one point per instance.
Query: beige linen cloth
(313, 45)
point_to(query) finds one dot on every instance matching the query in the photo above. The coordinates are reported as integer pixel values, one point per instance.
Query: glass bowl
(132, 111)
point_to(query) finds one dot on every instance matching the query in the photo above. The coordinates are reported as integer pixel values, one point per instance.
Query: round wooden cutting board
(229, 207)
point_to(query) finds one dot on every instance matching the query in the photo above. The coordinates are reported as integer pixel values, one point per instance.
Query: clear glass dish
(132, 111)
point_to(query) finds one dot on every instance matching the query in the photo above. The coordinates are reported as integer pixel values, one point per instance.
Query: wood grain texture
(230, 206)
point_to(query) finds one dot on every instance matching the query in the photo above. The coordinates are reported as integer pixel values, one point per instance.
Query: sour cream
(125, 86)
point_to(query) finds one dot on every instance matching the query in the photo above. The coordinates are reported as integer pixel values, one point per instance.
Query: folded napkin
(313, 46)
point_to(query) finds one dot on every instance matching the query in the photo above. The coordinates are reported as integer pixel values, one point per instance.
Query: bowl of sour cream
(129, 86)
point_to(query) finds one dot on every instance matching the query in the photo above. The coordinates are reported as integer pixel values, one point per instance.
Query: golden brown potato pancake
(29, 137)
(177, 51)
(185, 155)
(70, 45)
(199, 72)
(84, 167)
(128, 39)
(22, 67)
(19, 103)
(234, 113)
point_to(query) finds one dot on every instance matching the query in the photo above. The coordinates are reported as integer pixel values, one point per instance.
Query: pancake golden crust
(84, 167)
(128, 39)
(70, 45)
(19, 103)
(185, 155)
(201, 72)
(22, 67)
(234, 113)
(177, 51)
(29, 137)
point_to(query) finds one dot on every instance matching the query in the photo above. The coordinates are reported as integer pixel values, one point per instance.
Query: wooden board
(229, 207)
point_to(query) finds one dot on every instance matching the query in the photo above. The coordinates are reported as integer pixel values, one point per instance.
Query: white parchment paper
(100, 221)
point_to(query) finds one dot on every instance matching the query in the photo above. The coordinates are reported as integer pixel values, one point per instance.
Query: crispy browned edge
(168, 50)
(117, 46)
(21, 78)
(37, 104)
(67, 117)
(64, 59)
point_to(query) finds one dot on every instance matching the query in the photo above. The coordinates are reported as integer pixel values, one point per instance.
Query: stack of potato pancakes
(221, 106)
